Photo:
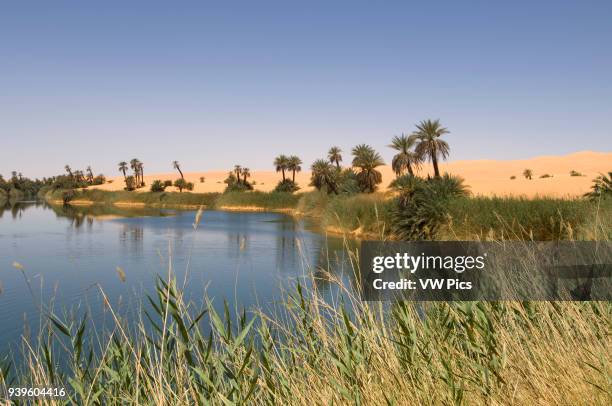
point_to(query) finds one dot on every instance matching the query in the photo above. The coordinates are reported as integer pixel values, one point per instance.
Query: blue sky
(214, 84)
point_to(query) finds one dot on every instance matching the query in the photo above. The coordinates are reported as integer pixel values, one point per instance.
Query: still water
(70, 256)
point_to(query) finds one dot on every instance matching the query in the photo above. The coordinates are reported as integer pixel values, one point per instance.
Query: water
(70, 255)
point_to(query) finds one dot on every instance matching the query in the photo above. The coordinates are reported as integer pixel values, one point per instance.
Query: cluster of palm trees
(242, 173)
(291, 163)
(422, 145)
(136, 180)
(82, 179)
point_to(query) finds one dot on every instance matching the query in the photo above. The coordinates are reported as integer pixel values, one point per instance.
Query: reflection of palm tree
(430, 146)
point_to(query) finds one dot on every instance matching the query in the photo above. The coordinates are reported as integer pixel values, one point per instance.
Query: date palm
(366, 159)
(324, 176)
(405, 159)
(134, 165)
(176, 165)
(246, 173)
(429, 145)
(602, 187)
(335, 156)
(141, 171)
(293, 164)
(281, 162)
(238, 171)
(123, 167)
(68, 170)
(90, 176)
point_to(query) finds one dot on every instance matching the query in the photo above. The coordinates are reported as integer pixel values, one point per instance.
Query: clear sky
(212, 84)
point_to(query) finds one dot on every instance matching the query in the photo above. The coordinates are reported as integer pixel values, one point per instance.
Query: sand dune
(485, 177)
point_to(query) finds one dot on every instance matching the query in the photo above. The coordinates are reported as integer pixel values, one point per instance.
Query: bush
(157, 186)
(68, 195)
(286, 186)
(512, 177)
(546, 175)
(422, 206)
(99, 180)
(167, 183)
(183, 184)
(202, 179)
(575, 173)
(130, 183)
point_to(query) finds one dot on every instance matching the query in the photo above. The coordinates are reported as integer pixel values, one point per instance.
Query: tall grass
(146, 198)
(313, 352)
(521, 218)
(257, 199)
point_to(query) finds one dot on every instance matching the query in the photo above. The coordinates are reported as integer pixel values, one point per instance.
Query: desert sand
(484, 177)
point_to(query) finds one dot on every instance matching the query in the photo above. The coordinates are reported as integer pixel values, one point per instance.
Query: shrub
(512, 177)
(202, 179)
(286, 186)
(422, 205)
(546, 175)
(99, 180)
(68, 195)
(528, 174)
(130, 183)
(167, 183)
(157, 186)
(575, 173)
(183, 184)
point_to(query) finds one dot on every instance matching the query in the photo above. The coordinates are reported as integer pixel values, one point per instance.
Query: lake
(69, 255)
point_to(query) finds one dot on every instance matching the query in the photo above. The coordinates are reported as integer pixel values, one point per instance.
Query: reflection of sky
(236, 255)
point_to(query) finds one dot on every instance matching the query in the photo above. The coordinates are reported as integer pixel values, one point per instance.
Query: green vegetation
(575, 173)
(156, 199)
(183, 184)
(405, 159)
(237, 180)
(157, 186)
(312, 351)
(429, 145)
(256, 199)
(366, 160)
(602, 187)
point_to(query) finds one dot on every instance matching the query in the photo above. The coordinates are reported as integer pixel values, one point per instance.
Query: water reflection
(242, 257)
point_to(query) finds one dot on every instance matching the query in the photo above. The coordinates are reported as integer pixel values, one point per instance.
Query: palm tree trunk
(337, 164)
(283, 175)
(181, 172)
(294, 176)
(434, 160)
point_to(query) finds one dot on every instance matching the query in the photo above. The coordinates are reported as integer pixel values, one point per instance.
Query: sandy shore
(485, 177)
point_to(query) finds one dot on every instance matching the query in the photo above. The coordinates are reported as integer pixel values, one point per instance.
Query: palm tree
(141, 170)
(293, 164)
(238, 170)
(367, 160)
(177, 166)
(67, 168)
(134, 165)
(405, 158)
(246, 173)
(334, 156)
(90, 176)
(281, 163)
(528, 173)
(602, 187)
(430, 146)
(123, 167)
(323, 174)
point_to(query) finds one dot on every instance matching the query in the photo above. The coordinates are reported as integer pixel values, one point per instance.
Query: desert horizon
(484, 177)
